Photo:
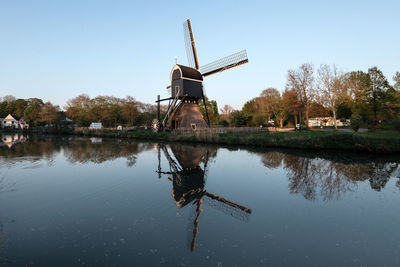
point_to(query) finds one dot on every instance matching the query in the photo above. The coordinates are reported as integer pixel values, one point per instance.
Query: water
(71, 201)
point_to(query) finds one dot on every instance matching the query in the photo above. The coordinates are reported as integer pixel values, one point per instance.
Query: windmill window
(193, 125)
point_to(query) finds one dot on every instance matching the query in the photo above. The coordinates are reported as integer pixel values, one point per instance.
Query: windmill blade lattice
(191, 52)
(236, 211)
(225, 63)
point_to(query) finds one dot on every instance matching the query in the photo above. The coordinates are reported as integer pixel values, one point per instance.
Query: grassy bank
(372, 142)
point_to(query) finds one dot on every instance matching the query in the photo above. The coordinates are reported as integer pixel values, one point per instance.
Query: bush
(259, 120)
(223, 123)
(396, 124)
(355, 121)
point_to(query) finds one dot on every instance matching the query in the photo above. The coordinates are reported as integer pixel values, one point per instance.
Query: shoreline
(369, 142)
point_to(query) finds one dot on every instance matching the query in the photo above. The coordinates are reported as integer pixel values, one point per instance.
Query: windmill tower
(187, 87)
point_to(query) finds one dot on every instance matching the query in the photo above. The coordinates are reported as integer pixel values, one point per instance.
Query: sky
(57, 50)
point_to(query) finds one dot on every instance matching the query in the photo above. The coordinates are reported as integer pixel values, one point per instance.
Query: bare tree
(330, 86)
(302, 82)
(226, 111)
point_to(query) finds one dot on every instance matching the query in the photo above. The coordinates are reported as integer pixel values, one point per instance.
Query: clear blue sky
(56, 50)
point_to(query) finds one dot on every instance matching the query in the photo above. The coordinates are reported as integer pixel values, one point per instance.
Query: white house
(14, 123)
(10, 122)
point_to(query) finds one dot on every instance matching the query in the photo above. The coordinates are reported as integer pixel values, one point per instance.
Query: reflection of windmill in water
(188, 180)
(187, 87)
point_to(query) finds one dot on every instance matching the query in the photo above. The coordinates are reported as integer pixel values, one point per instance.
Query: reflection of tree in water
(330, 176)
(272, 159)
(82, 151)
(32, 149)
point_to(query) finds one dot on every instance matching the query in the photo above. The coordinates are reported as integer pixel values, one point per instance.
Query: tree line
(34, 110)
(111, 111)
(366, 98)
(82, 110)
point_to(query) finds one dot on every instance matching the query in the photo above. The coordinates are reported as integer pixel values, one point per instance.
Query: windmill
(186, 87)
(188, 180)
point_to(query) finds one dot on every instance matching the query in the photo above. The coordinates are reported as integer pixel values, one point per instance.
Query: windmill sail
(225, 63)
(191, 51)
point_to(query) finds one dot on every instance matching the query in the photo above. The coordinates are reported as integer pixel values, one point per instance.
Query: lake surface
(72, 201)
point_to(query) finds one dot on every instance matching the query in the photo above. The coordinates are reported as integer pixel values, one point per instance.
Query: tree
(268, 100)
(129, 111)
(212, 109)
(226, 111)
(19, 107)
(31, 113)
(291, 103)
(9, 98)
(238, 119)
(78, 108)
(280, 112)
(396, 79)
(330, 86)
(302, 82)
(355, 121)
(318, 110)
(357, 83)
(376, 92)
(48, 113)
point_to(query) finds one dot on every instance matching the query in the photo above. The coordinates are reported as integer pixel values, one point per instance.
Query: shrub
(223, 123)
(259, 120)
(355, 121)
(396, 124)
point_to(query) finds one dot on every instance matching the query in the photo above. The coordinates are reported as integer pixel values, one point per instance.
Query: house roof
(11, 117)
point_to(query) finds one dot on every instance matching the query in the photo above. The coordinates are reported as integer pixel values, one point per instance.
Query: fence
(200, 131)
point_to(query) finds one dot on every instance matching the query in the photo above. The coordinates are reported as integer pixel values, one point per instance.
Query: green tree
(31, 113)
(291, 104)
(77, 109)
(355, 121)
(376, 93)
(129, 110)
(212, 109)
(358, 83)
(238, 119)
(20, 106)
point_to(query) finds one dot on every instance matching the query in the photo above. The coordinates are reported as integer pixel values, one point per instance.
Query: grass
(372, 142)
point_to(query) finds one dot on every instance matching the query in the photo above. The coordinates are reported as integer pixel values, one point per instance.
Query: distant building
(12, 122)
(323, 121)
(22, 123)
(95, 125)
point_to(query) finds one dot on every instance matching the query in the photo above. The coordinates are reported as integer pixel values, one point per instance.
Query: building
(323, 121)
(12, 122)
(95, 125)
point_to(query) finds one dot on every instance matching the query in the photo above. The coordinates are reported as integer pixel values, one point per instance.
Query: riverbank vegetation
(372, 142)
(365, 99)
